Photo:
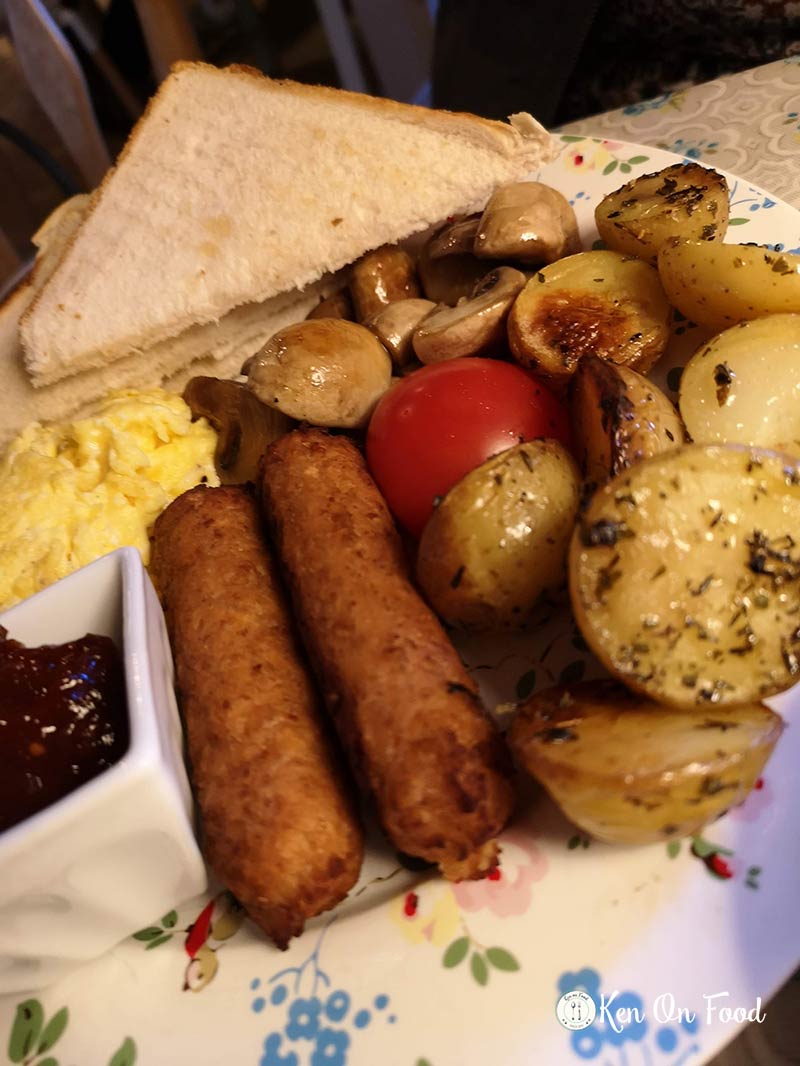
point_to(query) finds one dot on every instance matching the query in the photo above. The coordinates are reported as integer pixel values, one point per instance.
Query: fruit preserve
(63, 720)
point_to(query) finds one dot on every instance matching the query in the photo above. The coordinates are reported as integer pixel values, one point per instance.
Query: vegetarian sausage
(279, 826)
(407, 712)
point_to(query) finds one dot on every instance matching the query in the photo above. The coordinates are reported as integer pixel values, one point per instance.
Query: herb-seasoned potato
(600, 302)
(684, 200)
(685, 575)
(499, 538)
(718, 285)
(630, 771)
(619, 417)
(744, 386)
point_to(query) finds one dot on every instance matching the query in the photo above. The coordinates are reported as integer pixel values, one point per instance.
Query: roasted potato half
(684, 200)
(744, 386)
(602, 303)
(718, 285)
(685, 575)
(619, 417)
(499, 538)
(630, 771)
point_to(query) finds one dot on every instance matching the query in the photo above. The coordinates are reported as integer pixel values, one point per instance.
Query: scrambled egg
(71, 492)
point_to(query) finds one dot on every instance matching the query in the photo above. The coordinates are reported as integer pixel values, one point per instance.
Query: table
(747, 123)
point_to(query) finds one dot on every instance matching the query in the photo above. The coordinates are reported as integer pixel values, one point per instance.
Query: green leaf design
(169, 920)
(159, 940)
(53, 1031)
(571, 138)
(702, 848)
(572, 672)
(25, 1030)
(49, 1061)
(625, 168)
(422, 1062)
(480, 971)
(673, 848)
(125, 1055)
(638, 158)
(737, 221)
(456, 953)
(148, 934)
(526, 684)
(610, 167)
(574, 842)
(502, 959)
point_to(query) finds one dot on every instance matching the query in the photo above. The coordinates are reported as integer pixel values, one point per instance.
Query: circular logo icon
(576, 1010)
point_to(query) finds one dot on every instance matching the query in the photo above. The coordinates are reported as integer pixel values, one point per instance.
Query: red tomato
(442, 421)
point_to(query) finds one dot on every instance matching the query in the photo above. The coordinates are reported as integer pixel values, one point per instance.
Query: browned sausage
(279, 827)
(408, 713)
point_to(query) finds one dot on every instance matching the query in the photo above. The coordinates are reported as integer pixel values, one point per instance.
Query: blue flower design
(633, 1030)
(272, 1053)
(655, 104)
(337, 1005)
(303, 1021)
(331, 1048)
(586, 979)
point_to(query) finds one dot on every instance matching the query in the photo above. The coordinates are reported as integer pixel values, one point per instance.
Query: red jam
(63, 720)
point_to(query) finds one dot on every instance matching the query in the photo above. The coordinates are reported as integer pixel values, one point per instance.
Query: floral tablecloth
(748, 124)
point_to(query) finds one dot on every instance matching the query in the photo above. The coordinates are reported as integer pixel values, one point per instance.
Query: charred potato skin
(596, 302)
(683, 200)
(629, 771)
(498, 539)
(619, 417)
(684, 575)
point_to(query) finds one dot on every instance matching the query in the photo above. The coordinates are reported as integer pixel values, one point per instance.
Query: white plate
(373, 985)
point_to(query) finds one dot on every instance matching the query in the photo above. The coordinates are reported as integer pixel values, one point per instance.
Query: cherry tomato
(442, 421)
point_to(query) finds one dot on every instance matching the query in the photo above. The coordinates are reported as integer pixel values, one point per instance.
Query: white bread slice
(234, 187)
(216, 350)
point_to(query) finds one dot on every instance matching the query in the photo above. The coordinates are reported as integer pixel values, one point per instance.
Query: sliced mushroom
(456, 238)
(528, 222)
(338, 305)
(475, 326)
(394, 326)
(244, 425)
(450, 278)
(380, 277)
(326, 371)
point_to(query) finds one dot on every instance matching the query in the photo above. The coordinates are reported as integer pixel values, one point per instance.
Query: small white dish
(118, 851)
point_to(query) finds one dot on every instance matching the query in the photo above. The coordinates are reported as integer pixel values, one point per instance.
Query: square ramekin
(119, 851)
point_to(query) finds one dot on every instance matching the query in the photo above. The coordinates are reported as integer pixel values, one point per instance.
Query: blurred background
(75, 75)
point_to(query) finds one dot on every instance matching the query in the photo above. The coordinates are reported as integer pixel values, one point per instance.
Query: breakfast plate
(573, 951)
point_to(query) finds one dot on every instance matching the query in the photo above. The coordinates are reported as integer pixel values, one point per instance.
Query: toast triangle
(234, 188)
